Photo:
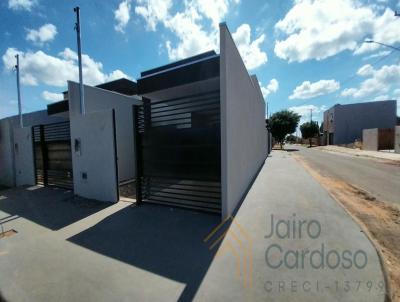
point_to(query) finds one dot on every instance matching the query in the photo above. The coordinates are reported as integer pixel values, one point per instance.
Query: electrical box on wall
(77, 146)
(84, 176)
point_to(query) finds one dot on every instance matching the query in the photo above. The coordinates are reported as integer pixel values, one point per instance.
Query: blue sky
(306, 54)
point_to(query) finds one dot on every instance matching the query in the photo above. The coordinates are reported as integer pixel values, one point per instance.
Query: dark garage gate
(178, 155)
(52, 154)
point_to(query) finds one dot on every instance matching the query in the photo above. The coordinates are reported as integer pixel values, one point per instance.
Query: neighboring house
(7, 126)
(191, 133)
(343, 124)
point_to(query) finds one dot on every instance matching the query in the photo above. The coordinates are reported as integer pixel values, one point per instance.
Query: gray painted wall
(370, 139)
(97, 99)
(6, 154)
(397, 139)
(243, 137)
(7, 163)
(96, 157)
(350, 120)
(23, 154)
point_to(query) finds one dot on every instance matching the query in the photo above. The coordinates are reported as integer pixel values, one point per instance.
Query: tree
(283, 123)
(309, 130)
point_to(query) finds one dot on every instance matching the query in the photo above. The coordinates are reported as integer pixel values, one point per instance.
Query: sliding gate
(178, 152)
(53, 159)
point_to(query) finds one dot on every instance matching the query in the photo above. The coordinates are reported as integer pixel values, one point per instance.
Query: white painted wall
(24, 159)
(243, 135)
(97, 99)
(370, 139)
(96, 158)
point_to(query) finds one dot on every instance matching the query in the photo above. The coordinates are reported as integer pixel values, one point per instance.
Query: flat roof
(123, 86)
(186, 61)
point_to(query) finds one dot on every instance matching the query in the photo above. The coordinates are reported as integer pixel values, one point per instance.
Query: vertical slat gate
(52, 153)
(178, 156)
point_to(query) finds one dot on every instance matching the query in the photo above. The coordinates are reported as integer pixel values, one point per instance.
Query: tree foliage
(283, 123)
(309, 130)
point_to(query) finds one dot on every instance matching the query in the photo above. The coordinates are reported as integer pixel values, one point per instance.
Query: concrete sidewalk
(286, 191)
(382, 155)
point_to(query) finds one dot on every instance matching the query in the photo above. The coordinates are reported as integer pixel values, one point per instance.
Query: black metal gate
(178, 152)
(53, 159)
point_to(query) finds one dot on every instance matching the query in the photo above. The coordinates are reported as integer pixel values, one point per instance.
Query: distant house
(343, 124)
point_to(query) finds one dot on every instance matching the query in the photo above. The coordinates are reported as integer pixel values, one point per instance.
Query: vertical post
(138, 154)
(21, 124)
(43, 150)
(78, 37)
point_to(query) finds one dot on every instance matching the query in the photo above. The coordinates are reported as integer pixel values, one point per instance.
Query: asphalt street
(379, 178)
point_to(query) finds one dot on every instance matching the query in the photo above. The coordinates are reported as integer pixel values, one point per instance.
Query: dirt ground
(380, 221)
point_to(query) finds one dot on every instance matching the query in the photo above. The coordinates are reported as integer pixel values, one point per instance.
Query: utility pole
(78, 37)
(310, 114)
(21, 124)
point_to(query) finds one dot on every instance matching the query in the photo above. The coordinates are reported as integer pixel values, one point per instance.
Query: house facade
(189, 134)
(343, 124)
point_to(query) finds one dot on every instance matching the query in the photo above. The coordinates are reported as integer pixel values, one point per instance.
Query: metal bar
(21, 124)
(78, 38)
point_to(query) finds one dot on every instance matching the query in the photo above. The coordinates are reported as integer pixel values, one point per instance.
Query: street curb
(388, 295)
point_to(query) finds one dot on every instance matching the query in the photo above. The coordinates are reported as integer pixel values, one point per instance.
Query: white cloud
(52, 96)
(272, 87)
(348, 92)
(365, 70)
(309, 90)
(385, 29)
(381, 98)
(306, 109)
(21, 4)
(45, 33)
(122, 15)
(41, 68)
(194, 35)
(396, 93)
(305, 112)
(153, 11)
(192, 38)
(379, 81)
(117, 74)
(381, 53)
(322, 28)
(250, 51)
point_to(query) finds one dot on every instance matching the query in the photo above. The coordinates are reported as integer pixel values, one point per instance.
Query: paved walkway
(283, 189)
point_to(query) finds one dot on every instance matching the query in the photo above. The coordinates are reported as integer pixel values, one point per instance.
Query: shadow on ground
(167, 242)
(50, 207)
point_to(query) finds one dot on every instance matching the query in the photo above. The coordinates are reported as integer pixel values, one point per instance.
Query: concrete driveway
(69, 249)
